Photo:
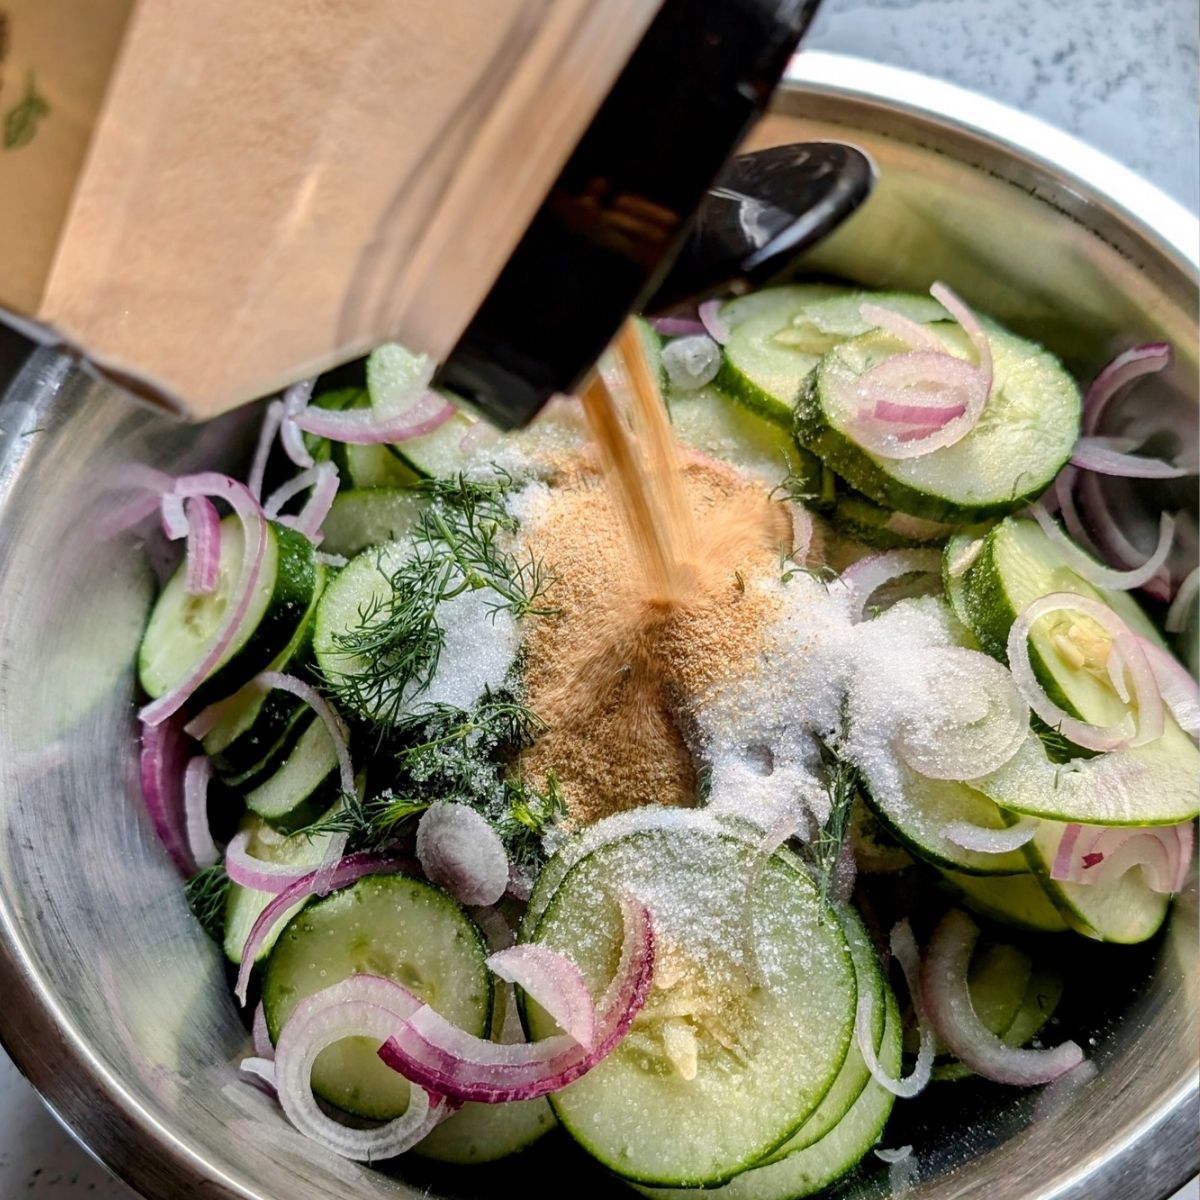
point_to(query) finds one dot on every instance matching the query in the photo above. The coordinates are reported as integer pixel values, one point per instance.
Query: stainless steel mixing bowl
(114, 1003)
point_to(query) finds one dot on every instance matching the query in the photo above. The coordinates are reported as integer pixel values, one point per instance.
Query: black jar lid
(607, 233)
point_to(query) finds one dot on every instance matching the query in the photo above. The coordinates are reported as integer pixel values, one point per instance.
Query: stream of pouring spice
(654, 557)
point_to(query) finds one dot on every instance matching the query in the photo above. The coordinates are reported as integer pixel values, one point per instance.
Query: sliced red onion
(371, 426)
(1124, 369)
(944, 983)
(345, 872)
(141, 489)
(555, 983)
(1059, 1093)
(1178, 612)
(1100, 455)
(970, 323)
(904, 950)
(1093, 737)
(196, 777)
(331, 1016)
(295, 401)
(714, 325)
(239, 498)
(865, 577)
(676, 326)
(262, 1067)
(174, 517)
(459, 851)
(203, 546)
(1064, 498)
(164, 752)
(912, 333)
(323, 479)
(329, 718)
(992, 841)
(267, 433)
(973, 721)
(1177, 686)
(1084, 565)
(429, 1051)
(256, 874)
(930, 417)
(1102, 853)
(261, 1035)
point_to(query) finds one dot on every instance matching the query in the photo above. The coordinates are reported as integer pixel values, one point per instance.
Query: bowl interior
(117, 1006)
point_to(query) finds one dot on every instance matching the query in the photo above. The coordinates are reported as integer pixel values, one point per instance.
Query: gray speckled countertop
(1121, 74)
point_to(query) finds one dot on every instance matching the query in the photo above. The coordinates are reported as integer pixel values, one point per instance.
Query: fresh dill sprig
(842, 782)
(206, 893)
(527, 814)
(369, 823)
(462, 542)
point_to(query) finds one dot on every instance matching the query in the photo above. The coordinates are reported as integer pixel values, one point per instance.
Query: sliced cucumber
(708, 421)
(917, 810)
(855, 1074)
(961, 551)
(257, 725)
(360, 588)
(828, 322)
(181, 626)
(245, 905)
(816, 1167)
(362, 517)
(855, 516)
(304, 785)
(757, 984)
(1146, 785)
(483, 1133)
(359, 466)
(1124, 910)
(389, 925)
(1024, 436)
(1017, 900)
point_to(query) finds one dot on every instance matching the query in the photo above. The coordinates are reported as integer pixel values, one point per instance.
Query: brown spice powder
(616, 671)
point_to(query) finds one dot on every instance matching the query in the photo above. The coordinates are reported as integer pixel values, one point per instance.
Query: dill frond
(206, 893)
(842, 781)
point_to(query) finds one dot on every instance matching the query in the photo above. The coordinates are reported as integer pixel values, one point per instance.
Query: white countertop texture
(1120, 74)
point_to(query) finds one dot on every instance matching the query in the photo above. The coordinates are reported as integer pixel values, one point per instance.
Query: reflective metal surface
(116, 1005)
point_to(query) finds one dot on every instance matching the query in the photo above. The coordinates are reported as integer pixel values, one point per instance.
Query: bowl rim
(92, 1103)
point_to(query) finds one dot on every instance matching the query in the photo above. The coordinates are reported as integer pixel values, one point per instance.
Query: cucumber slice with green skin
(360, 588)
(708, 421)
(855, 516)
(1038, 1005)
(437, 455)
(391, 925)
(244, 905)
(833, 320)
(918, 812)
(1017, 900)
(855, 1074)
(1122, 910)
(483, 1133)
(685, 1118)
(1023, 437)
(358, 466)
(363, 517)
(823, 1163)
(181, 627)
(757, 371)
(252, 727)
(305, 784)
(961, 551)
(1154, 784)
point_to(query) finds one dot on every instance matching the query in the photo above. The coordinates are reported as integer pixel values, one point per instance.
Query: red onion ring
(261, 1068)
(555, 983)
(944, 983)
(428, 1050)
(174, 516)
(361, 1006)
(912, 333)
(196, 777)
(1095, 573)
(1089, 854)
(1177, 613)
(712, 322)
(1177, 686)
(329, 718)
(1101, 455)
(203, 546)
(1082, 733)
(267, 433)
(904, 950)
(461, 852)
(930, 417)
(295, 401)
(323, 479)
(255, 873)
(866, 576)
(345, 872)
(371, 426)
(677, 326)
(239, 498)
(992, 841)
(258, 1031)
(1124, 369)
(161, 767)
